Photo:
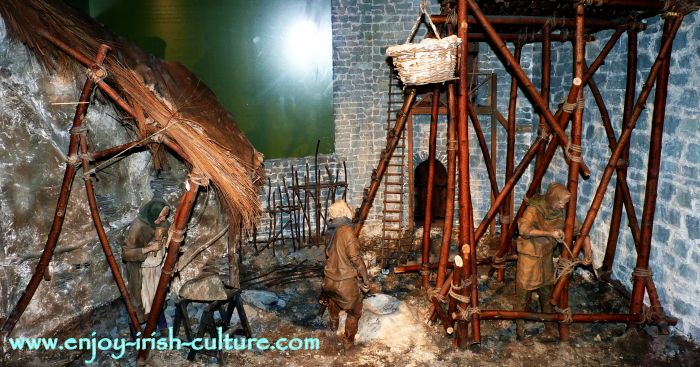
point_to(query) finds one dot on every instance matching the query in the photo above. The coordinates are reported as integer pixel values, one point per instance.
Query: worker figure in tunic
(142, 247)
(343, 265)
(541, 229)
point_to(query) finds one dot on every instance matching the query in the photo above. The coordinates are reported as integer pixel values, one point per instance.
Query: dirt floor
(393, 331)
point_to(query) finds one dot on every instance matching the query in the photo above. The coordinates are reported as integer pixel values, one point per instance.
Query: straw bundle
(167, 97)
(430, 61)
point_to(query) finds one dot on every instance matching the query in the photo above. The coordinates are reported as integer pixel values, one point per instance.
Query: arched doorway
(420, 191)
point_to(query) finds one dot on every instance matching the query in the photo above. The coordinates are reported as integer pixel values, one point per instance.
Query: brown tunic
(140, 234)
(342, 261)
(535, 264)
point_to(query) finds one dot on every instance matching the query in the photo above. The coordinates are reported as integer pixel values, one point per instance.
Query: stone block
(688, 273)
(682, 308)
(692, 225)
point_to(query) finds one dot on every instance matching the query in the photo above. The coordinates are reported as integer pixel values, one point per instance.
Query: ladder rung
(393, 192)
(393, 174)
(392, 220)
(392, 211)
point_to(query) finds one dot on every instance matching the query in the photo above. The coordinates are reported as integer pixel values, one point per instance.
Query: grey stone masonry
(675, 253)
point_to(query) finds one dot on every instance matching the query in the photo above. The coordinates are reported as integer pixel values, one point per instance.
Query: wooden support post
(641, 271)
(386, 154)
(450, 191)
(630, 90)
(178, 229)
(106, 248)
(466, 221)
(575, 154)
(427, 220)
(63, 196)
(546, 75)
(507, 207)
(493, 101)
(484, 151)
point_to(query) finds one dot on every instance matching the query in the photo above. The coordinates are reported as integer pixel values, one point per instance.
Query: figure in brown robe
(140, 242)
(343, 264)
(541, 229)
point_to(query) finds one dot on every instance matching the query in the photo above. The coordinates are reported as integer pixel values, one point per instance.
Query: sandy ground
(393, 331)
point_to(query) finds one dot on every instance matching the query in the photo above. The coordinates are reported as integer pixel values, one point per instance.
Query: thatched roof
(172, 99)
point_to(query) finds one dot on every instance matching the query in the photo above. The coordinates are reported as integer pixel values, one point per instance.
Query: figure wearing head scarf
(143, 239)
(541, 229)
(343, 266)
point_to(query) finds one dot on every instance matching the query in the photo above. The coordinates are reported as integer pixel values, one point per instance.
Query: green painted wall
(268, 61)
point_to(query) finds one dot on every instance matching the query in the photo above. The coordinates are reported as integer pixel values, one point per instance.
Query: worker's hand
(557, 234)
(364, 286)
(153, 246)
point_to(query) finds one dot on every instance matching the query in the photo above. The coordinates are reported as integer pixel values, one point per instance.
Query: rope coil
(77, 130)
(499, 263)
(452, 144)
(505, 219)
(175, 235)
(574, 152)
(565, 267)
(641, 273)
(466, 313)
(96, 73)
(568, 317)
(73, 160)
(434, 293)
(457, 296)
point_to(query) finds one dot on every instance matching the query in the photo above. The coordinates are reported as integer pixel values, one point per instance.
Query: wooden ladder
(393, 227)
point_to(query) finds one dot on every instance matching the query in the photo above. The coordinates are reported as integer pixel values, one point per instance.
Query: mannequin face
(560, 204)
(163, 215)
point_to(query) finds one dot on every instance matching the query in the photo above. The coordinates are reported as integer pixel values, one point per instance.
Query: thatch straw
(173, 101)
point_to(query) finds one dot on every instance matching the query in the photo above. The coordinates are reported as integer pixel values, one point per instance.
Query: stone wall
(675, 255)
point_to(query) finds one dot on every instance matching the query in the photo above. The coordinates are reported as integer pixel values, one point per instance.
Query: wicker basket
(430, 61)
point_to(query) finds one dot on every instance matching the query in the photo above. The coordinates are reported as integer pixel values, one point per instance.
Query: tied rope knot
(457, 296)
(466, 313)
(176, 235)
(96, 73)
(568, 318)
(566, 266)
(499, 263)
(452, 144)
(641, 273)
(198, 178)
(73, 160)
(434, 293)
(574, 152)
(78, 130)
(544, 134)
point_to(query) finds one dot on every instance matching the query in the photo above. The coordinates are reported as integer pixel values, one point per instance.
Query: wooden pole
(466, 223)
(630, 90)
(545, 82)
(182, 215)
(507, 208)
(106, 248)
(428, 214)
(450, 190)
(575, 152)
(63, 196)
(386, 154)
(641, 271)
